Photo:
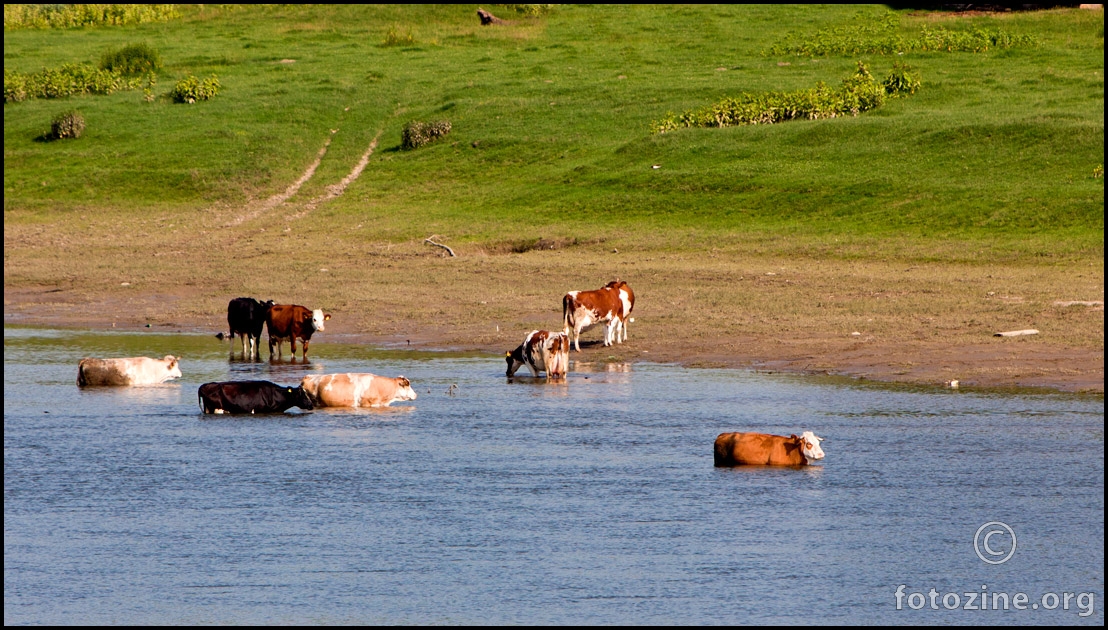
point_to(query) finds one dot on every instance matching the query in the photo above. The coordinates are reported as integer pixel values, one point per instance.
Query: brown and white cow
(353, 389)
(541, 350)
(129, 371)
(627, 297)
(737, 449)
(610, 305)
(292, 322)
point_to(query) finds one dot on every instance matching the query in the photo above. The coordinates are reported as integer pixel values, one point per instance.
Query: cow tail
(81, 382)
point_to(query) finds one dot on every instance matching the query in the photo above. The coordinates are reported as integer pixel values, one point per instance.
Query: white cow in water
(352, 389)
(130, 371)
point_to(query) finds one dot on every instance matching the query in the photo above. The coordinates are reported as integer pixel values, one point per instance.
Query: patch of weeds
(858, 93)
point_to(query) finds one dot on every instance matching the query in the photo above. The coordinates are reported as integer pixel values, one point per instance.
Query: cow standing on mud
(541, 350)
(246, 318)
(292, 322)
(610, 305)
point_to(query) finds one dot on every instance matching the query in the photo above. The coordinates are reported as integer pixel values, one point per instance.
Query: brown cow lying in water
(356, 390)
(736, 449)
(130, 371)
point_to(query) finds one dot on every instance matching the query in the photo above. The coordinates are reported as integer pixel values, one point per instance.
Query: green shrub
(21, 16)
(191, 89)
(902, 81)
(67, 80)
(15, 86)
(395, 38)
(417, 133)
(858, 93)
(529, 10)
(67, 125)
(880, 36)
(132, 59)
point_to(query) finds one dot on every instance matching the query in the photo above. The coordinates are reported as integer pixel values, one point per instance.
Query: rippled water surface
(589, 502)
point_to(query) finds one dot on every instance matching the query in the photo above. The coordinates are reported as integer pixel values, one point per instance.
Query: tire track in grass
(256, 210)
(336, 190)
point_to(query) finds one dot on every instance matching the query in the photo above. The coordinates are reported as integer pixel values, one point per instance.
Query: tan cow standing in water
(129, 371)
(353, 389)
(736, 449)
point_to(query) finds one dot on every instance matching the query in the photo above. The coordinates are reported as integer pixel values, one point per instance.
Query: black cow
(251, 397)
(246, 317)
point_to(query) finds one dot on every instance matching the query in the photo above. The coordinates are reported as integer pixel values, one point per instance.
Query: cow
(737, 449)
(130, 371)
(541, 350)
(356, 390)
(246, 318)
(251, 397)
(292, 322)
(627, 297)
(610, 304)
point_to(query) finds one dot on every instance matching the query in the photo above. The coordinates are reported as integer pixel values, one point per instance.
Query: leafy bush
(191, 89)
(15, 86)
(858, 93)
(67, 80)
(880, 37)
(902, 81)
(67, 125)
(20, 16)
(395, 38)
(417, 133)
(132, 59)
(529, 10)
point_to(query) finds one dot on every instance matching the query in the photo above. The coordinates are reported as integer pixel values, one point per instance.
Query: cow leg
(304, 353)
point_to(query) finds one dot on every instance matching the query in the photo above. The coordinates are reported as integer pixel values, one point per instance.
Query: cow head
(172, 366)
(318, 317)
(299, 397)
(514, 359)
(404, 389)
(809, 445)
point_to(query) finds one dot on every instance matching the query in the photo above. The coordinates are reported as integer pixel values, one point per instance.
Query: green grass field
(994, 157)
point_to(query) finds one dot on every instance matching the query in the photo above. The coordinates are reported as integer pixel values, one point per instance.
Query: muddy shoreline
(992, 363)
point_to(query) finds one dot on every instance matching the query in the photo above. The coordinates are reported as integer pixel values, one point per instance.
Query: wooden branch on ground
(430, 242)
(1017, 333)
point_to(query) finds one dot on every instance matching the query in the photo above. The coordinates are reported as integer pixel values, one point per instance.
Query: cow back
(286, 320)
(758, 449)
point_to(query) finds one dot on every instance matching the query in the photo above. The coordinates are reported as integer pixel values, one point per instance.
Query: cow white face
(404, 389)
(809, 445)
(318, 318)
(173, 367)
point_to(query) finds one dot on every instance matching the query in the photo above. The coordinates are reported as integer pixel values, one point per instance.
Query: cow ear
(326, 317)
(507, 353)
(793, 437)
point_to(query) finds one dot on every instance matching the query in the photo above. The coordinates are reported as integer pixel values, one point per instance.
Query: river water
(594, 501)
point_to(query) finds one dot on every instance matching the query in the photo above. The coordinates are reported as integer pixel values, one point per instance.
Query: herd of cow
(541, 351)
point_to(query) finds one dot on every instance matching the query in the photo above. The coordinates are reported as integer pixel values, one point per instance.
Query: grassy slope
(998, 148)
